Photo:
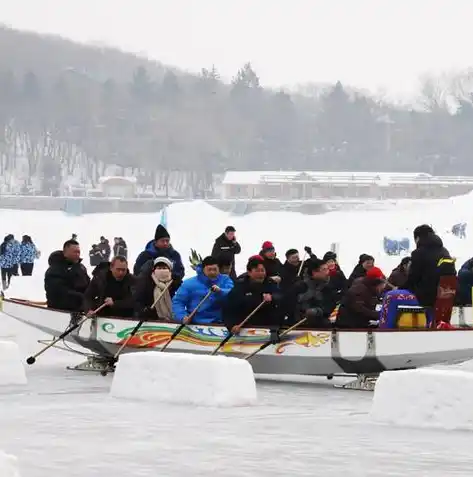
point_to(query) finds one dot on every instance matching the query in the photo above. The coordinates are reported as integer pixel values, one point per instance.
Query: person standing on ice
(194, 289)
(250, 290)
(150, 286)
(104, 247)
(7, 260)
(365, 262)
(464, 295)
(95, 256)
(426, 266)
(119, 247)
(227, 245)
(111, 284)
(160, 247)
(28, 254)
(66, 279)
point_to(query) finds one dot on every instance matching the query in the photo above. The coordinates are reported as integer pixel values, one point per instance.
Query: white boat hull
(301, 352)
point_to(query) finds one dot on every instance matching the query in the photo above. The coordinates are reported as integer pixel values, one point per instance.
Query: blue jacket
(151, 252)
(11, 257)
(28, 252)
(193, 290)
(465, 283)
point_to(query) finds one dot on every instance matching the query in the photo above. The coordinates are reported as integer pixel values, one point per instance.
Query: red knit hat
(256, 257)
(267, 245)
(375, 272)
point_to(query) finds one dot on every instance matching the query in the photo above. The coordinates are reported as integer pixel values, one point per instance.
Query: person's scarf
(161, 277)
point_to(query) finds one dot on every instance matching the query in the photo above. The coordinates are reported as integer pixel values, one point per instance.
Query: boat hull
(301, 352)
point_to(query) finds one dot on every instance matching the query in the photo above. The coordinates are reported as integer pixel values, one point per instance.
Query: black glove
(308, 250)
(314, 313)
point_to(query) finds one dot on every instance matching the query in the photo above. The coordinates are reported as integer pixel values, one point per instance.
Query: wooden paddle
(262, 347)
(231, 335)
(32, 359)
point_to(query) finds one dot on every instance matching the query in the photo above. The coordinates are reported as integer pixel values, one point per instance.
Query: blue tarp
(396, 247)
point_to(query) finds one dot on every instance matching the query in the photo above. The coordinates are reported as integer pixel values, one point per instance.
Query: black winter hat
(330, 256)
(422, 231)
(161, 232)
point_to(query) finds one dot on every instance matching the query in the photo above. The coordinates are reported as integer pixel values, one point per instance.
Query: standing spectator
(28, 254)
(95, 256)
(119, 247)
(226, 245)
(7, 260)
(105, 249)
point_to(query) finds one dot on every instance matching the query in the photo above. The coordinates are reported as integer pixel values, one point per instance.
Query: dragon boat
(358, 353)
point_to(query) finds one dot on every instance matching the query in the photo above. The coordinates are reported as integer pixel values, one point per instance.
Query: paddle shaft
(140, 323)
(262, 347)
(231, 335)
(301, 266)
(32, 359)
(183, 325)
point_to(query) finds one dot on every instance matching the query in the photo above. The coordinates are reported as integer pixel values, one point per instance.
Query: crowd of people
(308, 286)
(101, 252)
(16, 257)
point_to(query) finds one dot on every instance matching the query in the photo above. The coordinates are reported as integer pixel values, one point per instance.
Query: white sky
(372, 44)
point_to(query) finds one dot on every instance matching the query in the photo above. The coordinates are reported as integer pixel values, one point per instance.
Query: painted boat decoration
(300, 352)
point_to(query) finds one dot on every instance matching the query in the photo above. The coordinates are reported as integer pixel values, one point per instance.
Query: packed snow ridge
(12, 370)
(8, 465)
(185, 379)
(424, 398)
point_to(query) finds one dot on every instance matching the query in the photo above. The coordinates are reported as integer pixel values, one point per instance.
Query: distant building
(291, 185)
(118, 186)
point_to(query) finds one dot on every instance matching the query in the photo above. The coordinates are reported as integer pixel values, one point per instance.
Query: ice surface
(8, 465)
(439, 398)
(11, 366)
(180, 378)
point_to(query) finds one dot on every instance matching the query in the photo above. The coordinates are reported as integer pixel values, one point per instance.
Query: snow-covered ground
(64, 423)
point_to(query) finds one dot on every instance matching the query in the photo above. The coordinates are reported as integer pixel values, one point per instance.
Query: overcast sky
(373, 44)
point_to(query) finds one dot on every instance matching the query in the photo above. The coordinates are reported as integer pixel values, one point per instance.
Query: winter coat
(11, 255)
(316, 303)
(358, 306)
(28, 252)
(104, 248)
(104, 285)
(245, 297)
(465, 284)
(358, 272)
(150, 253)
(227, 248)
(193, 290)
(95, 257)
(144, 293)
(338, 282)
(398, 278)
(273, 266)
(426, 268)
(65, 283)
(121, 249)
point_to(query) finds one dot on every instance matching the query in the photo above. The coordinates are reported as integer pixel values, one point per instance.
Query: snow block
(12, 370)
(8, 465)
(436, 398)
(182, 378)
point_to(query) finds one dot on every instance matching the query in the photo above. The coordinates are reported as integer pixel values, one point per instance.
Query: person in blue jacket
(160, 247)
(465, 284)
(9, 258)
(194, 289)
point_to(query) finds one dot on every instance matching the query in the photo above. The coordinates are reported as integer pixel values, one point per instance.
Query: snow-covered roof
(117, 179)
(380, 178)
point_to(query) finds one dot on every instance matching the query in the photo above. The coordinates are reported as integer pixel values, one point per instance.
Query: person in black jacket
(66, 279)
(119, 247)
(95, 256)
(227, 245)
(318, 299)
(249, 291)
(104, 247)
(272, 264)
(338, 280)
(111, 284)
(429, 261)
(365, 262)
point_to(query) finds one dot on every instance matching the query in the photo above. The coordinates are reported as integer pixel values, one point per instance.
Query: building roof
(323, 177)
